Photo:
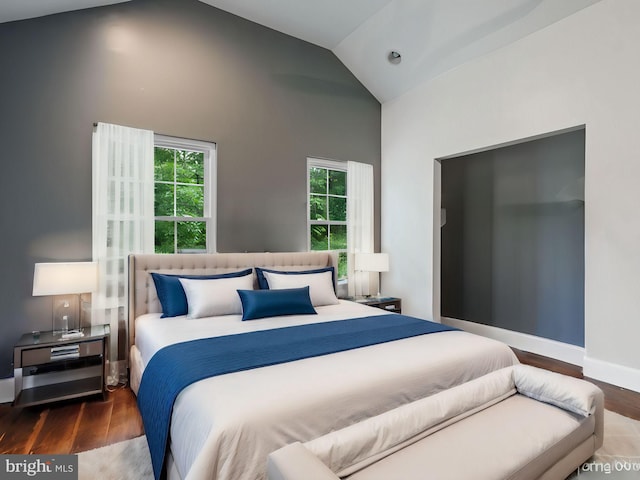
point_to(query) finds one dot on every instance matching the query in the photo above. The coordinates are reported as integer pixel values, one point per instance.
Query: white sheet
(223, 427)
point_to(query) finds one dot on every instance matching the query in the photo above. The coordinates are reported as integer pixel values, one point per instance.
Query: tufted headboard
(142, 291)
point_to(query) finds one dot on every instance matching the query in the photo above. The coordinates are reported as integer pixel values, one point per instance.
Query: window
(327, 209)
(184, 177)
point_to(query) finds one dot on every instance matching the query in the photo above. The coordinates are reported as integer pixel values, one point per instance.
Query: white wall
(584, 69)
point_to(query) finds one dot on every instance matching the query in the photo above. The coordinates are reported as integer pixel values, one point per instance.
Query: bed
(224, 427)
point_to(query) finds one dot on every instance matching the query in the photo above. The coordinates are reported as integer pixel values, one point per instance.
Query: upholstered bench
(516, 423)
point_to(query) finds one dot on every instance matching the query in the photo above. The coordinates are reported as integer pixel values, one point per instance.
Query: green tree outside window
(179, 205)
(328, 213)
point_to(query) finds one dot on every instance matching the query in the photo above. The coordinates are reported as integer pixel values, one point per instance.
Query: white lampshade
(65, 278)
(372, 262)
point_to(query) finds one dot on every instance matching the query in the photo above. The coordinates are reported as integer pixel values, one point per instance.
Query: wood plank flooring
(75, 426)
(72, 426)
(617, 399)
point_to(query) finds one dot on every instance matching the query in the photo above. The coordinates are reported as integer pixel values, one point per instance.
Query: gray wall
(177, 67)
(513, 245)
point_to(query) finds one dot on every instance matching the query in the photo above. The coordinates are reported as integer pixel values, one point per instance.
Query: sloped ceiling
(432, 36)
(11, 10)
(325, 23)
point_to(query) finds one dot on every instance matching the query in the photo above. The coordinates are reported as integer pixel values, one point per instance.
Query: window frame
(209, 151)
(337, 165)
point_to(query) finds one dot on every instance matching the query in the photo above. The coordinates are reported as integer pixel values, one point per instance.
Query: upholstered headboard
(142, 291)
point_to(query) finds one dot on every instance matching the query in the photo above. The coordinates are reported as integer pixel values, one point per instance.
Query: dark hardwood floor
(72, 426)
(617, 399)
(75, 426)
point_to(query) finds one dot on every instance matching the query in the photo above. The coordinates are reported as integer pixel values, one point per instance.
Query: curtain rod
(95, 125)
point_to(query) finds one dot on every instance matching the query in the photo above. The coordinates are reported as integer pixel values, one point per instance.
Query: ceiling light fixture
(394, 57)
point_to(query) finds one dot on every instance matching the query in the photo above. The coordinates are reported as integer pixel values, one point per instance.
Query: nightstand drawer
(38, 356)
(391, 306)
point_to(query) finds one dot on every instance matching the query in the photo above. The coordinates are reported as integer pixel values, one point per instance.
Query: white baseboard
(625, 377)
(7, 391)
(611, 373)
(523, 341)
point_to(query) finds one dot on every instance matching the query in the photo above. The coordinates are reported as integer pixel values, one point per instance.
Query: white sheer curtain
(123, 223)
(360, 222)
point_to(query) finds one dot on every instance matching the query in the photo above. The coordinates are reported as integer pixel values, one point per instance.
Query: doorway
(512, 239)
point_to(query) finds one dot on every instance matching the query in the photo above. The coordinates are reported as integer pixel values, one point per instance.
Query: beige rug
(621, 438)
(130, 460)
(619, 456)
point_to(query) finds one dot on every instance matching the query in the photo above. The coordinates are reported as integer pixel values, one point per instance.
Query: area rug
(130, 460)
(619, 456)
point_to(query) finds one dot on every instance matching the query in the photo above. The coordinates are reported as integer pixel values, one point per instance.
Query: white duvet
(224, 427)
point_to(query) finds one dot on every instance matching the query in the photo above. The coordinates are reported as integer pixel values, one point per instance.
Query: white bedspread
(223, 427)
(154, 333)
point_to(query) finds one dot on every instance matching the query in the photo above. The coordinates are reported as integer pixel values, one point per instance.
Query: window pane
(338, 237)
(163, 164)
(189, 201)
(192, 237)
(163, 204)
(338, 209)
(189, 167)
(342, 265)
(337, 182)
(319, 237)
(164, 237)
(318, 180)
(317, 207)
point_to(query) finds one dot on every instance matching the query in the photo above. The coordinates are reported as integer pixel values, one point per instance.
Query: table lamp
(65, 281)
(372, 262)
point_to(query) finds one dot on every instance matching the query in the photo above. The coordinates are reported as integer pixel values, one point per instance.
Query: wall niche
(512, 246)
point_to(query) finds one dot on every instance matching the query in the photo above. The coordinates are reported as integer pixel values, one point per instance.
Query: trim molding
(612, 373)
(523, 341)
(6, 390)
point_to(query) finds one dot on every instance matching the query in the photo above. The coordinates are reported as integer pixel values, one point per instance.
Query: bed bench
(519, 422)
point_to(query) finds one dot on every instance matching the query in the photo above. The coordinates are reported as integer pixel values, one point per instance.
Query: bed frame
(369, 380)
(142, 292)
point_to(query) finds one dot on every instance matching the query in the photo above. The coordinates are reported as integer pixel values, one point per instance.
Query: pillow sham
(271, 303)
(217, 296)
(320, 285)
(264, 285)
(171, 294)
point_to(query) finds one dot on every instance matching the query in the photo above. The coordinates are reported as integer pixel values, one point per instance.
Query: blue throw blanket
(177, 366)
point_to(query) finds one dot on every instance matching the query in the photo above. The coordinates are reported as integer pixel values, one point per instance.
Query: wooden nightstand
(48, 368)
(390, 304)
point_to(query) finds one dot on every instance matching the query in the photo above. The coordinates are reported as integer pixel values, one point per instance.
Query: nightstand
(48, 368)
(390, 304)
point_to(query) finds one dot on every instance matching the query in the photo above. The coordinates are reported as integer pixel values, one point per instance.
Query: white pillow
(216, 296)
(573, 394)
(320, 285)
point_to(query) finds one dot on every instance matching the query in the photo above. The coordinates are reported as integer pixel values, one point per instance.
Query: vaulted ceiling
(432, 36)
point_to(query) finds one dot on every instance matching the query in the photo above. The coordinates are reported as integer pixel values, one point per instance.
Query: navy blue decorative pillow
(171, 294)
(264, 285)
(272, 303)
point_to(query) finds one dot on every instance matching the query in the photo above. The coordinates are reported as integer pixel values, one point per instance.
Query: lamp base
(65, 313)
